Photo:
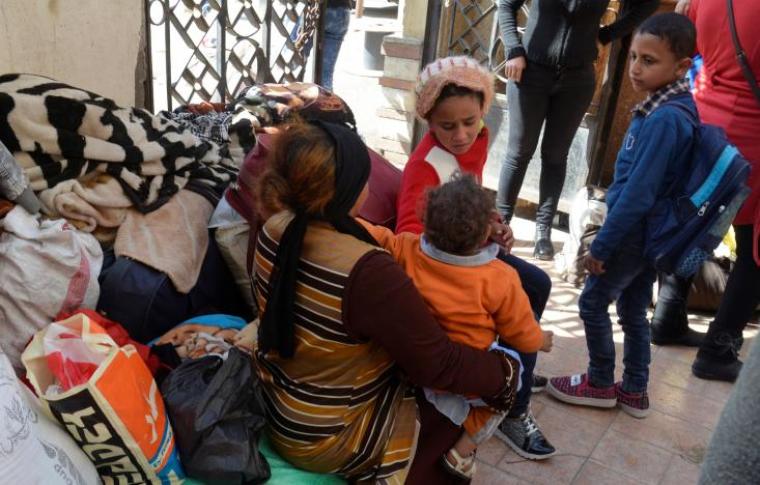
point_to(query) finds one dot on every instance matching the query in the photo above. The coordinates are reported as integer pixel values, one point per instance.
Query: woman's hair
(453, 90)
(301, 172)
(675, 29)
(453, 73)
(457, 215)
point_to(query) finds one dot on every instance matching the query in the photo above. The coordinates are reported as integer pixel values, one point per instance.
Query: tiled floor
(608, 446)
(594, 446)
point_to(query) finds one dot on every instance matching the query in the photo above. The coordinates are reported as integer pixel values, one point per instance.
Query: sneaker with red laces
(576, 389)
(634, 403)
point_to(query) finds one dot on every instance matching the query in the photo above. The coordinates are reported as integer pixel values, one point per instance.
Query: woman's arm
(634, 12)
(508, 25)
(381, 304)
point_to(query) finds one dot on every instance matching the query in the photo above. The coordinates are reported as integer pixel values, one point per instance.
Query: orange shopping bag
(106, 398)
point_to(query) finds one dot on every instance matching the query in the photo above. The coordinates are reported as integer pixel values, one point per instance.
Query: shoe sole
(581, 401)
(520, 451)
(538, 389)
(709, 376)
(635, 412)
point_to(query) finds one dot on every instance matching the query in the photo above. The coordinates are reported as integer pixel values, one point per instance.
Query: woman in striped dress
(345, 337)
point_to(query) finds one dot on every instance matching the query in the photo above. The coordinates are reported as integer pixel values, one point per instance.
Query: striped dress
(339, 405)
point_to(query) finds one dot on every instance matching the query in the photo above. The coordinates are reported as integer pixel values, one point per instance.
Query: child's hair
(453, 76)
(677, 30)
(300, 173)
(457, 215)
(454, 90)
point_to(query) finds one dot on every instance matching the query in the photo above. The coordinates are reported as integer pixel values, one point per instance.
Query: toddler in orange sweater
(474, 296)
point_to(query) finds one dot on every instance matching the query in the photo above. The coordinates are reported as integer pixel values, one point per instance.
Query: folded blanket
(58, 132)
(88, 203)
(172, 239)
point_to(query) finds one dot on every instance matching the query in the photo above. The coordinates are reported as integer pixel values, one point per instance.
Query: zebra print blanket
(59, 132)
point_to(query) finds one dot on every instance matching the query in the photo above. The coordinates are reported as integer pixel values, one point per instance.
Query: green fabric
(283, 473)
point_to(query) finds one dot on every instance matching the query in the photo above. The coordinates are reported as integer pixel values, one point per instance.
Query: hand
(593, 265)
(502, 235)
(682, 7)
(514, 68)
(548, 341)
(504, 400)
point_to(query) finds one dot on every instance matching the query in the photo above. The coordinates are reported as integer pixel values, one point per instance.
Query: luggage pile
(126, 310)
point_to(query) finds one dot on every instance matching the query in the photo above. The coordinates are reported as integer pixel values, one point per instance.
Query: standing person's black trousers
(558, 96)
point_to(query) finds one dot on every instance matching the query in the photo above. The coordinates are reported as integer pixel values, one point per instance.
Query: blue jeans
(628, 279)
(335, 28)
(534, 280)
(537, 286)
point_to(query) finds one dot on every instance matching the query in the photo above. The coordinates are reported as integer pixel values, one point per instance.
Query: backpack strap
(741, 56)
(694, 119)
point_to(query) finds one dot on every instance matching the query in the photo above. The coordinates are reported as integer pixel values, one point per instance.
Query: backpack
(688, 223)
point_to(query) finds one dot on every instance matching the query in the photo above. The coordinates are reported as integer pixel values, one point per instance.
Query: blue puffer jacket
(656, 149)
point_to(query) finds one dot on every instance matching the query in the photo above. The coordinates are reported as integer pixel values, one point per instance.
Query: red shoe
(634, 403)
(576, 389)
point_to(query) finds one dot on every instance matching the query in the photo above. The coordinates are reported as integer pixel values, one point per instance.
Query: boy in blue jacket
(655, 151)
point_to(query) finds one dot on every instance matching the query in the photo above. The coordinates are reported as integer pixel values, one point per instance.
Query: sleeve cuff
(605, 35)
(518, 51)
(598, 251)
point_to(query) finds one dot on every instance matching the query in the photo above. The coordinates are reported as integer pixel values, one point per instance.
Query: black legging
(560, 96)
(742, 293)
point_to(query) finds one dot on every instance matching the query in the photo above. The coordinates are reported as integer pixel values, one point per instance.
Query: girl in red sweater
(453, 95)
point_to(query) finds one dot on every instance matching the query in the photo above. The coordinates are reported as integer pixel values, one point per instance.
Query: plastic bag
(71, 360)
(33, 447)
(117, 415)
(587, 215)
(46, 267)
(218, 413)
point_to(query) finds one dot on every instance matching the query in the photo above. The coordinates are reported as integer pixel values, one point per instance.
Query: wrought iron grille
(474, 30)
(206, 50)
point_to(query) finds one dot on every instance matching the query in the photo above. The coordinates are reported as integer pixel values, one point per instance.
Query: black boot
(718, 357)
(544, 249)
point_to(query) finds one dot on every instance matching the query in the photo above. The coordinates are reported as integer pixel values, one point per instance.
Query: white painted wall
(92, 44)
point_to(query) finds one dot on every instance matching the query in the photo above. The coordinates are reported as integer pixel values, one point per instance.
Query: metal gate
(472, 28)
(207, 50)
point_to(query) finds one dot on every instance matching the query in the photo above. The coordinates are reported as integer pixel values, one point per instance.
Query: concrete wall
(93, 44)
(403, 57)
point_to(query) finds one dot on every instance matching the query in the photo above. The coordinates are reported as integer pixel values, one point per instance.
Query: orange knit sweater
(473, 304)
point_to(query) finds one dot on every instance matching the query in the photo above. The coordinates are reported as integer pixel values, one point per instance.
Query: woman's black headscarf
(352, 167)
